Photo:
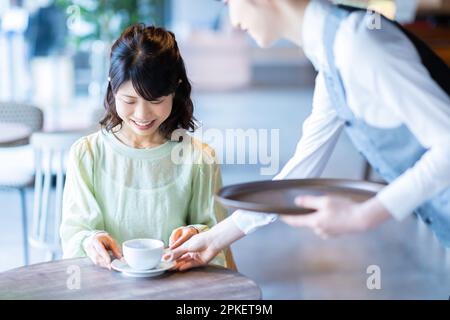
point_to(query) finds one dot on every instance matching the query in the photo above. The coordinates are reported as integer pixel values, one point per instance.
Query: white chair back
(51, 150)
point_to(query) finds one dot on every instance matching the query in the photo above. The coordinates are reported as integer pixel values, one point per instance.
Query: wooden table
(13, 134)
(50, 281)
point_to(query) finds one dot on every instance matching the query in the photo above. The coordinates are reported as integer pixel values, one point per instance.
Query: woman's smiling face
(141, 118)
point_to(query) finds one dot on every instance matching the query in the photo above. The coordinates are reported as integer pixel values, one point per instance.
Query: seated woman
(123, 181)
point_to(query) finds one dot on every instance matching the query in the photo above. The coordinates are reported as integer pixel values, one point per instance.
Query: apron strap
(333, 78)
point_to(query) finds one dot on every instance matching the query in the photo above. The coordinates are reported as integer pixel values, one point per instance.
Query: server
(380, 84)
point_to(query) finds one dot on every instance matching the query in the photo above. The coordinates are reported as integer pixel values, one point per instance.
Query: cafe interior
(53, 76)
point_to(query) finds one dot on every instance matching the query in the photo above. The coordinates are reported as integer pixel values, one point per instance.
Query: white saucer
(130, 272)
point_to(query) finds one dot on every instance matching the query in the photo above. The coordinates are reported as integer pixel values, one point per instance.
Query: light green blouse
(136, 193)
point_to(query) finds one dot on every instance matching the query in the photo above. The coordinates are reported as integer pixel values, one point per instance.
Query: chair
(28, 115)
(229, 260)
(50, 151)
(16, 172)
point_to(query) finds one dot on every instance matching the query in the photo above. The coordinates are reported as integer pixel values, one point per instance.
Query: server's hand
(338, 215)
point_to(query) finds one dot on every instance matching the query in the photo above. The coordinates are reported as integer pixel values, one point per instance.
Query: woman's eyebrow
(128, 96)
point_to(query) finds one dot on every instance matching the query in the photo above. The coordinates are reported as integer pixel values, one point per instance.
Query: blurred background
(53, 73)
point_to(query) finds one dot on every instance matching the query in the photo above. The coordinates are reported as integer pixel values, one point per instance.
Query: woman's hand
(97, 249)
(181, 235)
(338, 215)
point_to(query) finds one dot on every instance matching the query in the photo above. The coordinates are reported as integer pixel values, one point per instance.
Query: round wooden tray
(277, 196)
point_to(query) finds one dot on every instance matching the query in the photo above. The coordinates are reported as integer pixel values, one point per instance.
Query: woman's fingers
(174, 236)
(186, 236)
(98, 250)
(102, 263)
(181, 235)
(115, 249)
(101, 251)
(99, 261)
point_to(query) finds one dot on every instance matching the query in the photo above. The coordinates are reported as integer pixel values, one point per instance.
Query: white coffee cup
(143, 254)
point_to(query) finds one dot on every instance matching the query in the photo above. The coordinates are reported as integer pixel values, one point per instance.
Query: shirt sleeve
(81, 214)
(404, 86)
(321, 131)
(425, 110)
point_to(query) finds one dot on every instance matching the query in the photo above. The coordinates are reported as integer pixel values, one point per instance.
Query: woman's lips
(143, 125)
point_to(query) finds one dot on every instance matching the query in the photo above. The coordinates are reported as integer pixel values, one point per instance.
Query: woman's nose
(143, 111)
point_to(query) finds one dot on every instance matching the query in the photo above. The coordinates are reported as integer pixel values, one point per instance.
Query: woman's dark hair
(150, 58)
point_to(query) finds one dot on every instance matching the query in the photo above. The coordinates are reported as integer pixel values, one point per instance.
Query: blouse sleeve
(204, 210)
(81, 214)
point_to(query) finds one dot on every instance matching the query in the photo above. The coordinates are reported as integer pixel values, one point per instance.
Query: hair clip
(109, 79)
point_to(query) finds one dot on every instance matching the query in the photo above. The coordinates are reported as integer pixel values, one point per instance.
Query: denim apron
(390, 151)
